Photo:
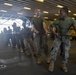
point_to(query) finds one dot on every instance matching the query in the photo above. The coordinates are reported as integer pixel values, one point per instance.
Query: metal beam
(2, 16)
(7, 20)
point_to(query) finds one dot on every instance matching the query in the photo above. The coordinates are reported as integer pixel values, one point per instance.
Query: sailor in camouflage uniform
(62, 25)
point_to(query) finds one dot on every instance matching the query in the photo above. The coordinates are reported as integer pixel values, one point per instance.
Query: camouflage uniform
(40, 38)
(63, 27)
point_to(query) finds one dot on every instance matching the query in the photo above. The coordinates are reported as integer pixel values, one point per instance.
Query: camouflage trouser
(18, 40)
(41, 42)
(56, 46)
(29, 45)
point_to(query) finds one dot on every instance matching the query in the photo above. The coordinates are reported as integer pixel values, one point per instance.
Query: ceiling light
(45, 12)
(56, 14)
(27, 8)
(74, 14)
(59, 6)
(20, 13)
(55, 19)
(3, 10)
(40, 0)
(69, 11)
(8, 4)
(46, 17)
(73, 18)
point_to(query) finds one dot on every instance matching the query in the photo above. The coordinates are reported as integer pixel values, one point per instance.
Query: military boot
(39, 60)
(47, 60)
(64, 67)
(51, 66)
(27, 53)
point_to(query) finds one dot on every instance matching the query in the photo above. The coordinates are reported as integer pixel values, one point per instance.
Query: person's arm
(32, 22)
(74, 24)
(44, 25)
(45, 28)
(55, 28)
(74, 27)
(54, 31)
(35, 30)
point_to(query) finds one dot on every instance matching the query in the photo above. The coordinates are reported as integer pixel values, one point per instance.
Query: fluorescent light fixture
(40, 0)
(27, 8)
(69, 11)
(56, 14)
(55, 19)
(73, 18)
(46, 17)
(3, 10)
(8, 4)
(20, 13)
(59, 6)
(45, 12)
(74, 14)
(34, 15)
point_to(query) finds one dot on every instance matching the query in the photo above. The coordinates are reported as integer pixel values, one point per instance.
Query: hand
(47, 31)
(36, 31)
(57, 34)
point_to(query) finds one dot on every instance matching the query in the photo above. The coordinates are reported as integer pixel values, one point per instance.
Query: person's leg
(38, 47)
(10, 36)
(45, 47)
(26, 46)
(31, 46)
(18, 41)
(65, 55)
(6, 40)
(61, 48)
(22, 43)
(44, 43)
(9, 39)
(13, 41)
(53, 54)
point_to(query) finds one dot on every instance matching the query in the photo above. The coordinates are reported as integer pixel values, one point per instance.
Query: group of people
(60, 29)
(17, 38)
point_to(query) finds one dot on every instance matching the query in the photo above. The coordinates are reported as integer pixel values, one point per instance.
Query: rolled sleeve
(55, 23)
(74, 22)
